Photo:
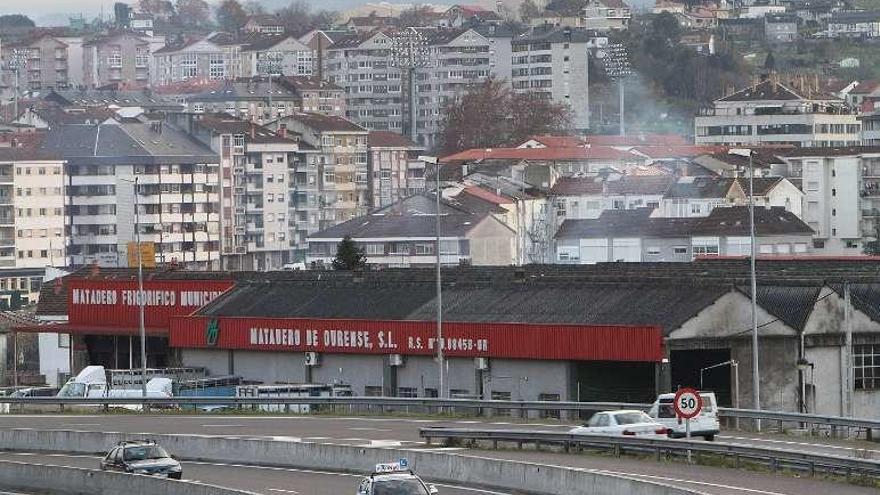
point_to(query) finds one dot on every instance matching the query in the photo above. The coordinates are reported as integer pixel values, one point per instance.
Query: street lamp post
(140, 297)
(756, 381)
(440, 363)
(17, 62)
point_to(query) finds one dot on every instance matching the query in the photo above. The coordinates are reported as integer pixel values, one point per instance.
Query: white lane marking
(82, 424)
(466, 488)
(282, 491)
(23, 453)
(223, 426)
(701, 483)
(324, 438)
(370, 429)
(799, 444)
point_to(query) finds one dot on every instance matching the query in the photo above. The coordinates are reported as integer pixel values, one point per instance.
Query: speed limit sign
(688, 403)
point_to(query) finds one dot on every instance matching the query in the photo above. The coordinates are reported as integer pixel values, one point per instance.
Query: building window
(499, 395)
(64, 340)
(679, 250)
(706, 250)
(374, 249)
(424, 248)
(373, 391)
(866, 366)
(696, 209)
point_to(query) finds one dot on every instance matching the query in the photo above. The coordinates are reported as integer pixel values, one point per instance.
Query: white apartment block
(207, 58)
(259, 175)
(112, 166)
(772, 113)
(276, 55)
(554, 65)
(604, 15)
(395, 171)
(841, 194)
(331, 185)
(375, 89)
(32, 221)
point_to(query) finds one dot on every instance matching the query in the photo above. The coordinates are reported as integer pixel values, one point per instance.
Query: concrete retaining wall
(440, 467)
(78, 481)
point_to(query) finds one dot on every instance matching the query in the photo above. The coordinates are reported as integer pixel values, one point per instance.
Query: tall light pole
(409, 52)
(140, 297)
(17, 62)
(756, 381)
(270, 65)
(616, 62)
(440, 363)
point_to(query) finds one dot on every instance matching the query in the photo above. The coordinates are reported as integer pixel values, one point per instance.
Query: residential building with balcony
(403, 235)
(841, 194)
(264, 24)
(698, 196)
(770, 112)
(277, 55)
(588, 197)
(604, 15)
(854, 24)
(332, 185)
(261, 174)
(375, 90)
(395, 172)
(121, 59)
(173, 179)
(45, 63)
(636, 236)
(554, 65)
(259, 100)
(32, 220)
(205, 58)
(316, 96)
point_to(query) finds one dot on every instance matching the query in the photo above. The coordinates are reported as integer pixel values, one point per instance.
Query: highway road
(403, 432)
(265, 480)
(368, 431)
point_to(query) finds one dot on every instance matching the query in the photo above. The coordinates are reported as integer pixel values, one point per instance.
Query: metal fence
(810, 462)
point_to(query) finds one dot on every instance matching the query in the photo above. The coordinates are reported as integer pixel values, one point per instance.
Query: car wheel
(709, 438)
(175, 476)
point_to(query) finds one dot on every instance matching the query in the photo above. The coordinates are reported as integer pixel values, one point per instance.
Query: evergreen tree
(349, 256)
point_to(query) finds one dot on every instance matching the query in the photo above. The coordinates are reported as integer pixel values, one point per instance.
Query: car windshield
(145, 452)
(629, 418)
(73, 389)
(399, 487)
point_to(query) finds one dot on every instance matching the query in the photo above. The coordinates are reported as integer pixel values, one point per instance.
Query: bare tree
(231, 16)
(193, 13)
(489, 114)
(416, 16)
(254, 7)
(298, 17)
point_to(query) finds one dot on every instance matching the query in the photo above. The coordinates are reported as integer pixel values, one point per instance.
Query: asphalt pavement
(264, 480)
(403, 432)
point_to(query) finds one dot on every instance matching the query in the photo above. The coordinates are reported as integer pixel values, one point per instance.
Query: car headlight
(140, 471)
(175, 469)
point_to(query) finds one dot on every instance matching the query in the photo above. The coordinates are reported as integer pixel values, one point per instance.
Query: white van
(705, 425)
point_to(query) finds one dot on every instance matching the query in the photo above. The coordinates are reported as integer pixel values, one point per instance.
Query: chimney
(253, 131)
(282, 131)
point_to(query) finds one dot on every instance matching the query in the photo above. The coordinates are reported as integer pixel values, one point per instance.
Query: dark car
(141, 457)
(35, 392)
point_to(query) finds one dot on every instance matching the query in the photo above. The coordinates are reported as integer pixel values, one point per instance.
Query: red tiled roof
(866, 87)
(558, 141)
(689, 151)
(546, 154)
(486, 195)
(639, 140)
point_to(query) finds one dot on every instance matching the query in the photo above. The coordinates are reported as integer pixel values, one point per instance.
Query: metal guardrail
(775, 459)
(442, 405)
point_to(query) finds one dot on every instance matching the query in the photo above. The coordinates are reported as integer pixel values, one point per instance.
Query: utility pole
(439, 296)
(409, 51)
(143, 332)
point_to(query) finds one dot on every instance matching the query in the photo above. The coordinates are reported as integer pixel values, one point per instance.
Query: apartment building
(259, 100)
(841, 194)
(203, 58)
(32, 221)
(331, 185)
(401, 235)
(173, 179)
(316, 96)
(395, 172)
(44, 63)
(258, 168)
(588, 197)
(699, 196)
(554, 65)
(375, 89)
(854, 24)
(276, 55)
(636, 236)
(770, 112)
(121, 59)
(605, 15)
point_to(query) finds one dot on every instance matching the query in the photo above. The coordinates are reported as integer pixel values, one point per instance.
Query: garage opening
(614, 381)
(717, 372)
(112, 352)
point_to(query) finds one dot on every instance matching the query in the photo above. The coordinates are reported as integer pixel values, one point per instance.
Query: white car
(394, 478)
(705, 425)
(622, 422)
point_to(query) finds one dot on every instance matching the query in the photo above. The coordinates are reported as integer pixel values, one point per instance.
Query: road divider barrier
(60, 480)
(521, 477)
(775, 459)
(837, 425)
